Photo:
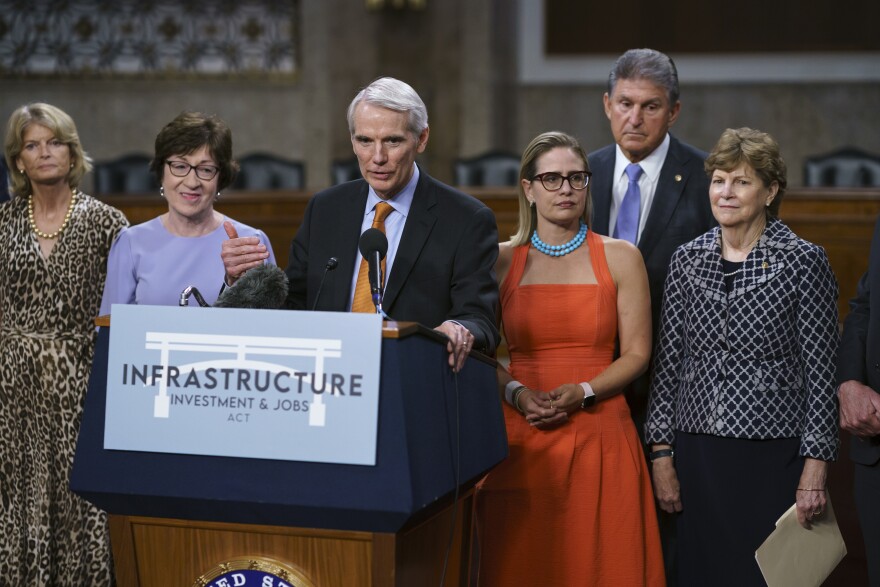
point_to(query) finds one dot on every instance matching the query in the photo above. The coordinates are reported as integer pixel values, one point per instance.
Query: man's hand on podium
(460, 343)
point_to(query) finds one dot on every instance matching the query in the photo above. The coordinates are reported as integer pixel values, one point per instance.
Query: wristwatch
(589, 396)
(659, 454)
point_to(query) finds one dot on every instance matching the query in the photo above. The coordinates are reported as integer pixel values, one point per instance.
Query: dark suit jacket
(859, 356)
(444, 268)
(4, 179)
(679, 213)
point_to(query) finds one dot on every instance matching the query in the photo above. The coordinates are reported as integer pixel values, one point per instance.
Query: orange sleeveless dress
(572, 505)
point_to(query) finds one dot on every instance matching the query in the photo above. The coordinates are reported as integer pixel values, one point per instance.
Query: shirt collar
(400, 202)
(651, 165)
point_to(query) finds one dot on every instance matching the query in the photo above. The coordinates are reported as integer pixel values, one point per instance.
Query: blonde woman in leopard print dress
(55, 242)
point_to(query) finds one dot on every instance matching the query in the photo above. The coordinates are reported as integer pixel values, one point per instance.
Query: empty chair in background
(263, 171)
(847, 167)
(495, 168)
(343, 170)
(129, 174)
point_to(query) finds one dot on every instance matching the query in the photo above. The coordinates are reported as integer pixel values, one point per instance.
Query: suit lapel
(418, 227)
(603, 171)
(347, 231)
(767, 259)
(670, 186)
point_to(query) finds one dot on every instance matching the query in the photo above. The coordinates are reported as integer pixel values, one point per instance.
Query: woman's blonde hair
(62, 127)
(528, 167)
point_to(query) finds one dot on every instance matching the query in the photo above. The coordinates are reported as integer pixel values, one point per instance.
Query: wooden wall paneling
(841, 220)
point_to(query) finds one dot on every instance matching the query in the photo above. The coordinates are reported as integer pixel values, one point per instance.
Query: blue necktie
(627, 227)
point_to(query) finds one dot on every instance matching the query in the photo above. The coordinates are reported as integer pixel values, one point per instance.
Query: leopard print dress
(48, 535)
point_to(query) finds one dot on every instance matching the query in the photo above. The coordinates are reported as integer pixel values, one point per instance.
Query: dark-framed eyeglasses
(553, 181)
(203, 172)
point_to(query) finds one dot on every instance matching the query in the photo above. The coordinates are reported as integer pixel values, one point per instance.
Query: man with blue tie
(650, 189)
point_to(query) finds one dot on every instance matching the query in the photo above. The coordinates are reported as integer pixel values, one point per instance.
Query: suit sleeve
(298, 263)
(474, 289)
(660, 423)
(121, 282)
(851, 355)
(818, 340)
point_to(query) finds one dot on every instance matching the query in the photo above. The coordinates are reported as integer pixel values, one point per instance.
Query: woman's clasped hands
(546, 410)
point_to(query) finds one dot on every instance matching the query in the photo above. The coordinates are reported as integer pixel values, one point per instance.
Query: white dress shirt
(651, 166)
(394, 224)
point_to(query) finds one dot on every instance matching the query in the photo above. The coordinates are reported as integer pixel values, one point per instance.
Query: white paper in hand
(793, 556)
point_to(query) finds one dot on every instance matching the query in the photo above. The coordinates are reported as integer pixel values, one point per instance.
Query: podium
(174, 517)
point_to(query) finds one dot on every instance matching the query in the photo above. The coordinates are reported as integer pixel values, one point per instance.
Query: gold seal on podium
(253, 571)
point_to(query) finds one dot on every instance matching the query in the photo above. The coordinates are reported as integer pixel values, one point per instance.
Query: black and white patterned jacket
(757, 362)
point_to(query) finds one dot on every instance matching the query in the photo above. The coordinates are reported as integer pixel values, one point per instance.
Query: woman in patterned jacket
(742, 418)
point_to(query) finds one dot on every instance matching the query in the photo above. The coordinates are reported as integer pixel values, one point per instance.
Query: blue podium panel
(432, 430)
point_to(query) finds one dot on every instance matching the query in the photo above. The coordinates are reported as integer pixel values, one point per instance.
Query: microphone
(262, 288)
(191, 290)
(373, 246)
(332, 263)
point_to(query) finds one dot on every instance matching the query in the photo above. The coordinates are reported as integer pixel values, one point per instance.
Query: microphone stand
(191, 290)
(332, 263)
(377, 289)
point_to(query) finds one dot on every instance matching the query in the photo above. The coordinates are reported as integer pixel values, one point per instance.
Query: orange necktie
(363, 299)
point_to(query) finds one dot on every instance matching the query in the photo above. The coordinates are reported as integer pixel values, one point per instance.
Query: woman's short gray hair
(392, 94)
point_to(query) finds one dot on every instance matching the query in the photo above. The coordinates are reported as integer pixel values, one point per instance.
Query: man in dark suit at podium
(442, 244)
(858, 372)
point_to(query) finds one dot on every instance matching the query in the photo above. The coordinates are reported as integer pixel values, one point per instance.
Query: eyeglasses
(203, 172)
(553, 181)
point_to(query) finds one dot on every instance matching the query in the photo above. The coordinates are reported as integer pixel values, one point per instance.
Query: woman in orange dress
(572, 504)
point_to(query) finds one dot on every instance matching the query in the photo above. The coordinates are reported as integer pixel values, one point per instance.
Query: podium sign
(297, 386)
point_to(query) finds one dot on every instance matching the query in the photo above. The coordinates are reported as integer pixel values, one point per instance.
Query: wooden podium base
(158, 552)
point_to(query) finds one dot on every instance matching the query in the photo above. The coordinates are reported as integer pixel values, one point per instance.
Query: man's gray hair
(392, 94)
(648, 64)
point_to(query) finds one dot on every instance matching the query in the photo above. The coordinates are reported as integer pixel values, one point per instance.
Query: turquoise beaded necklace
(563, 249)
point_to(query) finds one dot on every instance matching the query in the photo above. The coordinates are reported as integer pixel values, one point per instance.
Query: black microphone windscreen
(372, 240)
(262, 288)
(332, 263)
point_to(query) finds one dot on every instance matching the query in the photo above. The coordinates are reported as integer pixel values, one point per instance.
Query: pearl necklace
(563, 249)
(74, 194)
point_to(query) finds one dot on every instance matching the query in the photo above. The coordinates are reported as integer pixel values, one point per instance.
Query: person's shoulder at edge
(96, 210)
(505, 258)
(707, 240)
(622, 257)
